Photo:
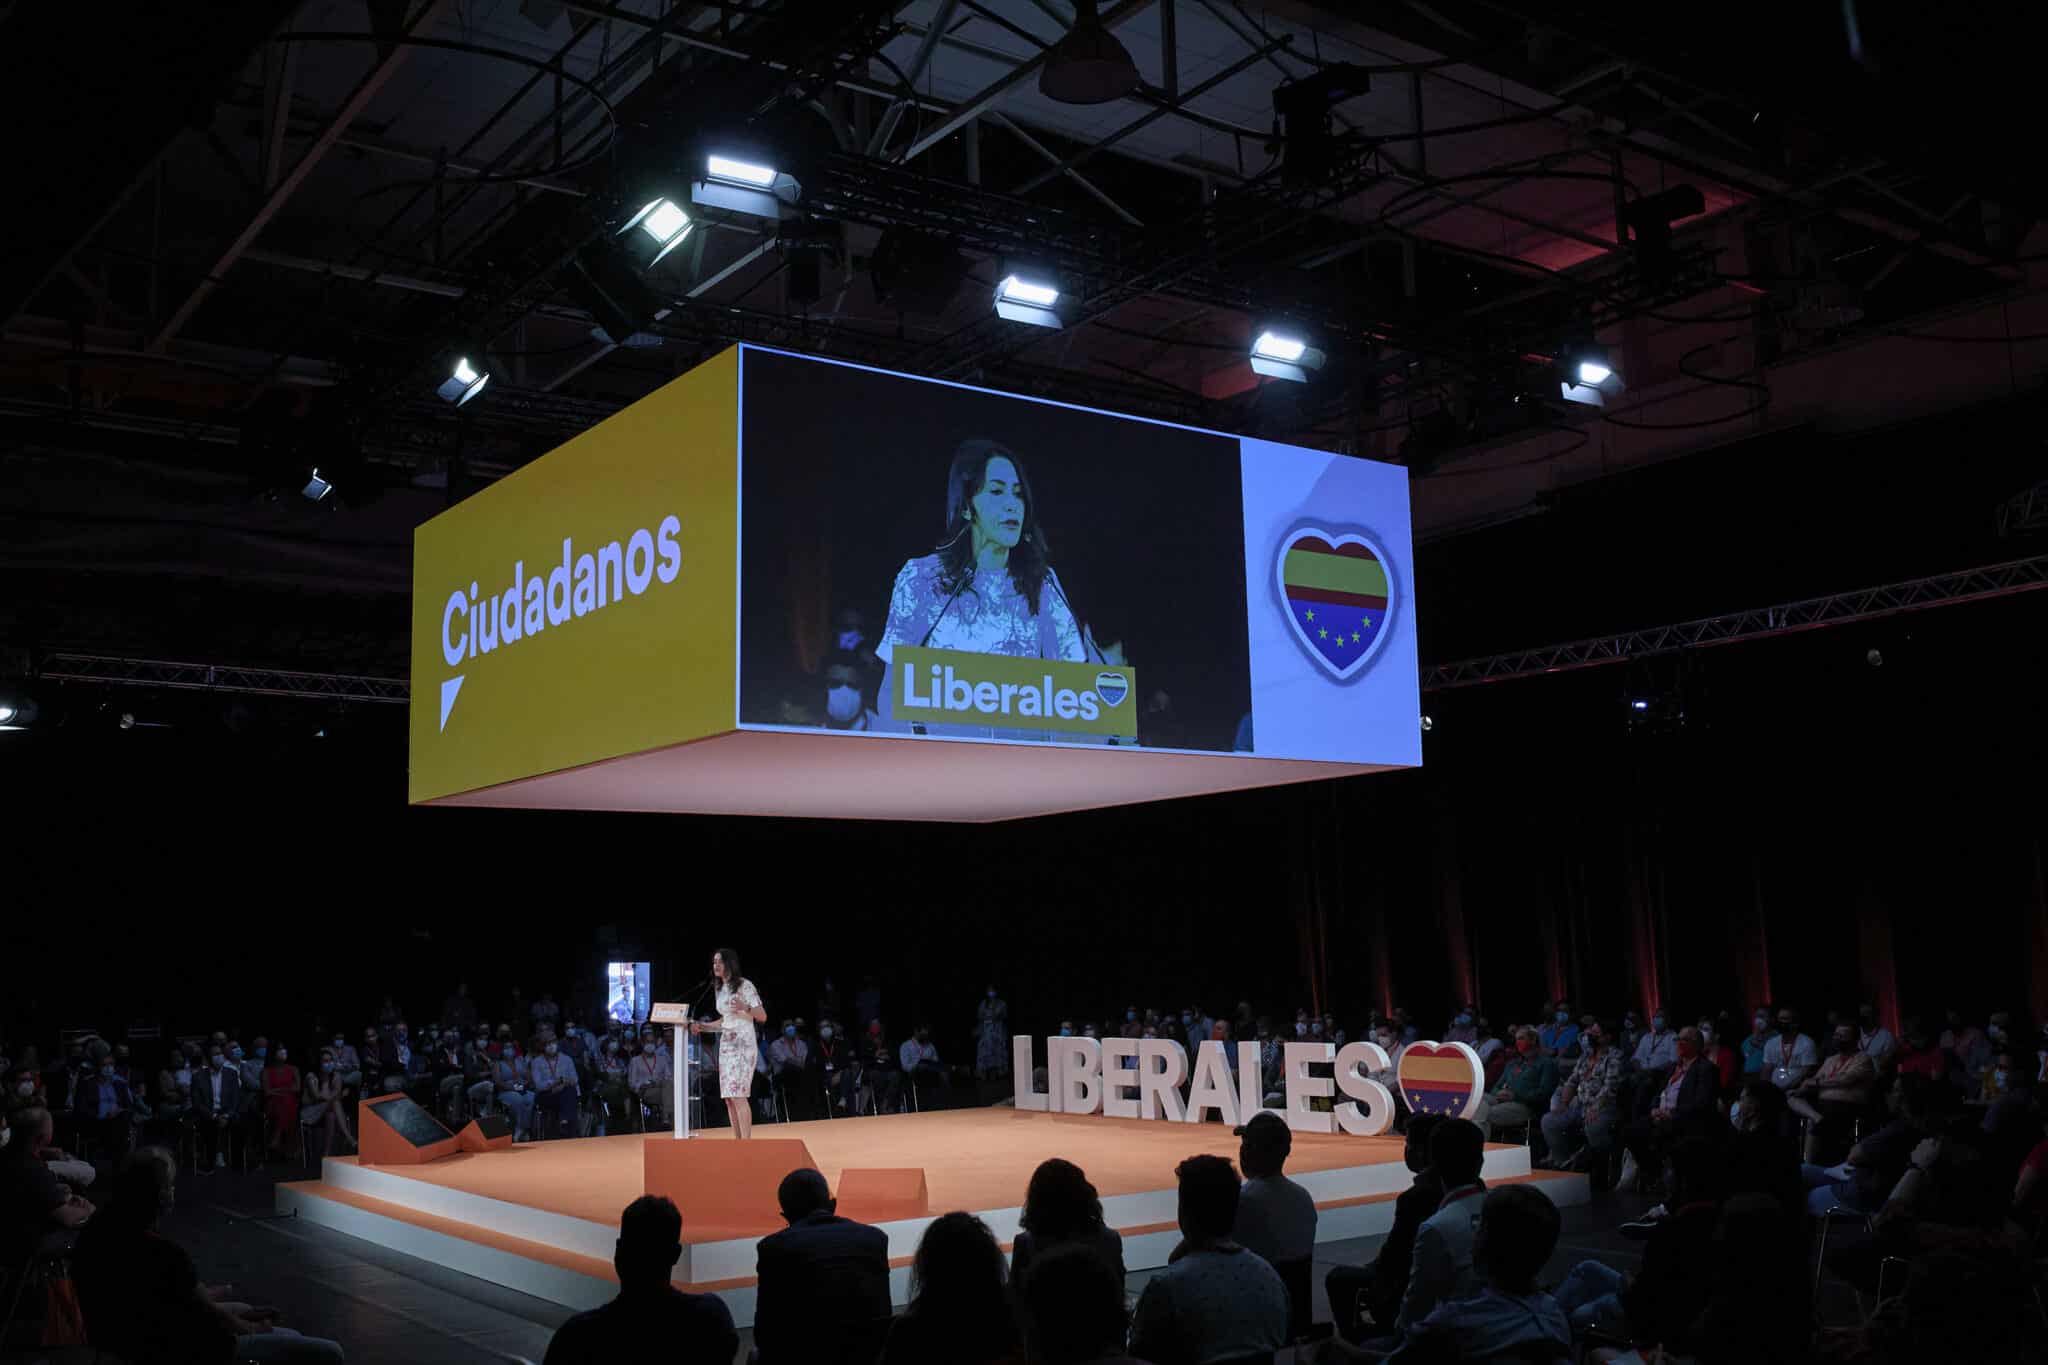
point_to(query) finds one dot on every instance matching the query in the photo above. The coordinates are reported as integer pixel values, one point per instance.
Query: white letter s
(671, 553)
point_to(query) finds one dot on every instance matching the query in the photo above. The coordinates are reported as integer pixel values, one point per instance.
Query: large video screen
(628, 991)
(925, 559)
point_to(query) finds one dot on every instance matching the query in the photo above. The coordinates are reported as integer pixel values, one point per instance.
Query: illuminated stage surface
(542, 1218)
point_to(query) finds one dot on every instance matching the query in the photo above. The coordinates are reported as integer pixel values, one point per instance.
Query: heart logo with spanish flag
(1337, 595)
(1440, 1078)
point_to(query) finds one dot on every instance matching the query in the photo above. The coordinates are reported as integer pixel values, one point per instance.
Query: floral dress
(736, 1048)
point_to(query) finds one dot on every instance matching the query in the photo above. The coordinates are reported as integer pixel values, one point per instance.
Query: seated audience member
(920, 1058)
(37, 1212)
(1754, 1042)
(1586, 1107)
(1464, 1027)
(1717, 1054)
(511, 1078)
(1061, 1209)
(1918, 1055)
(1485, 1045)
(1656, 1050)
(1217, 1301)
(381, 1066)
(105, 1107)
(1875, 1164)
(650, 1319)
(823, 1281)
(1684, 1106)
(1526, 1084)
(1074, 1310)
(1763, 1157)
(1835, 1095)
(1510, 1318)
(1442, 1269)
(281, 1083)
(140, 1295)
(348, 1064)
(1968, 1049)
(960, 1310)
(216, 1106)
(1659, 1303)
(451, 1084)
(2030, 1188)
(1790, 1057)
(620, 1107)
(555, 1090)
(24, 1089)
(838, 1069)
(322, 1105)
(1877, 1041)
(479, 1086)
(174, 1086)
(652, 1083)
(1276, 1218)
(1383, 1281)
(1558, 1038)
(881, 1079)
(789, 1063)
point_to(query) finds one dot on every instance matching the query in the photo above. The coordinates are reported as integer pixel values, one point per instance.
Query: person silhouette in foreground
(651, 1318)
(822, 1295)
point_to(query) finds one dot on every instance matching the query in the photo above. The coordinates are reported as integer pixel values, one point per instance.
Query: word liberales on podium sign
(1090, 1075)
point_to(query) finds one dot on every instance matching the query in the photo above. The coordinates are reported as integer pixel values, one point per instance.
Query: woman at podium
(739, 1009)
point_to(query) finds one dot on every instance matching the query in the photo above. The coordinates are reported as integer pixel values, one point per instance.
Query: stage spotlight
(1282, 354)
(743, 186)
(464, 382)
(1088, 65)
(1586, 374)
(1029, 296)
(1639, 704)
(662, 225)
(316, 487)
(1428, 723)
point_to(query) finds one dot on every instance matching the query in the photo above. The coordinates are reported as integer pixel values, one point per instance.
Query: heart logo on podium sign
(1440, 1078)
(1338, 599)
(1112, 687)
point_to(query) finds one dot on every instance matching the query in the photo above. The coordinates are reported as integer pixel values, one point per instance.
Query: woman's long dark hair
(959, 1289)
(1059, 1204)
(731, 958)
(1028, 559)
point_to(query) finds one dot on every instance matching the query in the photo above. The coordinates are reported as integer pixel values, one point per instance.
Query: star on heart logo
(1112, 687)
(1335, 588)
(1440, 1078)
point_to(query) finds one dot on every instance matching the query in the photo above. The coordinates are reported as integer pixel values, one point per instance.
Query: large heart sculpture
(1112, 687)
(1335, 587)
(1440, 1078)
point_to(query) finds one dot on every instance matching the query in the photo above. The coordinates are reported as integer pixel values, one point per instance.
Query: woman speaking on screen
(988, 588)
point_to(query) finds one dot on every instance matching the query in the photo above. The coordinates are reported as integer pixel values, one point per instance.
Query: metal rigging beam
(261, 682)
(1813, 613)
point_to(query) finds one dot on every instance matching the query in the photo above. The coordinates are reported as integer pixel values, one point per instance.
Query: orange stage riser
(542, 1218)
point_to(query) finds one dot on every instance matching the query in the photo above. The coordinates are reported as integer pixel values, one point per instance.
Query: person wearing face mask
(991, 1036)
(1969, 1050)
(280, 1081)
(1195, 1029)
(1791, 1056)
(837, 1070)
(1486, 1045)
(321, 1105)
(1754, 1042)
(1717, 1054)
(216, 1104)
(1462, 1026)
(1559, 1036)
(556, 1090)
(174, 1086)
(846, 704)
(445, 1063)
(348, 1065)
(479, 1086)
(789, 1061)
(1585, 1108)
(1875, 1039)
(881, 1075)
(510, 1076)
(1656, 1050)
(1525, 1087)
(1685, 1107)
(1834, 1096)
(651, 1078)
(923, 1073)
(105, 1108)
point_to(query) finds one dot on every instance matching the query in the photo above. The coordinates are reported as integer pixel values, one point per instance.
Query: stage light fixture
(1088, 65)
(17, 710)
(1586, 374)
(316, 487)
(1638, 704)
(1278, 353)
(7, 713)
(464, 382)
(743, 186)
(662, 226)
(1029, 296)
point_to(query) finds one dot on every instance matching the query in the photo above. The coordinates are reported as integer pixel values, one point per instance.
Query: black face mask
(1788, 1030)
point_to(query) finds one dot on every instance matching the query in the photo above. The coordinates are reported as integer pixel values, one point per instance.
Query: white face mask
(842, 704)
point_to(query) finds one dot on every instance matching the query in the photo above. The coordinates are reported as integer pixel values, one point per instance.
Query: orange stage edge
(541, 1218)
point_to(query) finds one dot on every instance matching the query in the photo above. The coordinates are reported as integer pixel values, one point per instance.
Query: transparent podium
(681, 1067)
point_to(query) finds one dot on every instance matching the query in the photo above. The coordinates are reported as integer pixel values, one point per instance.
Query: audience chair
(1835, 1215)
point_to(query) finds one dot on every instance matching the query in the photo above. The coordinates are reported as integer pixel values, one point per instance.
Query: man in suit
(216, 1104)
(650, 1318)
(823, 1282)
(1383, 1281)
(105, 1107)
(1684, 1107)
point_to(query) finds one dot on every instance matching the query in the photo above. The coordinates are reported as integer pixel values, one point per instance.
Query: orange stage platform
(542, 1217)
